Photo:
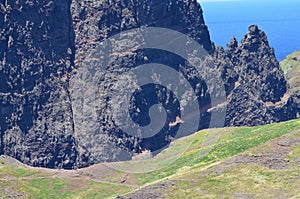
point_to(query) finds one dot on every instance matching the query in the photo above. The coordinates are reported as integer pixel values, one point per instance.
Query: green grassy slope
(20, 181)
(266, 171)
(196, 173)
(226, 143)
(291, 68)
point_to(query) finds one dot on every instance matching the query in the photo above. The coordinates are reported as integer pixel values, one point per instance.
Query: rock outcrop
(290, 66)
(42, 48)
(255, 84)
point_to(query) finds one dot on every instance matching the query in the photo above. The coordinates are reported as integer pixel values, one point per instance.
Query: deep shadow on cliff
(43, 43)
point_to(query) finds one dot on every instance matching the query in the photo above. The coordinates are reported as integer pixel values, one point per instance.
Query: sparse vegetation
(244, 180)
(62, 188)
(291, 67)
(194, 170)
(231, 143)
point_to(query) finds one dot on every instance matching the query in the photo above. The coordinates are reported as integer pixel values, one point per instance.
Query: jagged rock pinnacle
(253, 29)
(254, 81)
(232, 44)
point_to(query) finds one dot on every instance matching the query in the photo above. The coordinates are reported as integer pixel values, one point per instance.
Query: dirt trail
(98, 173)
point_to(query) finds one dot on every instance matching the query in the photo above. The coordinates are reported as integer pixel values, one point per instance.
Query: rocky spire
(255, 39)
(232, 44)
(259, 87)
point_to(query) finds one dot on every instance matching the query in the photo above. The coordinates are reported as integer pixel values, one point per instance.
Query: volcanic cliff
(43, 45)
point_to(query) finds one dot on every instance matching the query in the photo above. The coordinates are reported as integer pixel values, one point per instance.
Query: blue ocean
(280, 19)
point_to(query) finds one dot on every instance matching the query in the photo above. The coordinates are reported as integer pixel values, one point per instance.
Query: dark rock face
(36, 54)
(97, 22)
(255, 84)
(109, 17)
(40, 56)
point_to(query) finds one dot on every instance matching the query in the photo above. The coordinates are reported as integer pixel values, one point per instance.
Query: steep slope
(48, 119)
(219, 162)
(96, 22)
(291, 67)
(255, 83)
(37, 60)
(36, 52)
(258, 167)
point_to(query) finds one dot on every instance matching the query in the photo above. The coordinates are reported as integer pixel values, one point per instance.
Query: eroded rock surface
(36, 55)
(255, 84)
(43, 45)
